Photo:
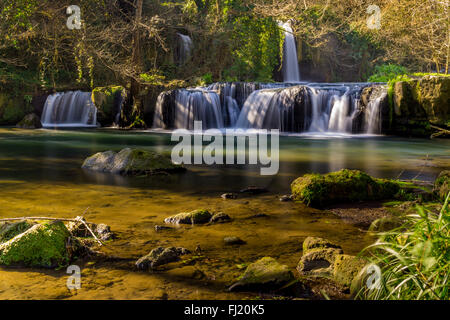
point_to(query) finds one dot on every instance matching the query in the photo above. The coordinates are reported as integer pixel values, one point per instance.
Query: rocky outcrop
(318, 190)
(200, 216)
(419, 102)
(42, 245)
(13, 108)
(30, 121)
(265, 274)
(160, 256)
(131, 162)
(108, 101)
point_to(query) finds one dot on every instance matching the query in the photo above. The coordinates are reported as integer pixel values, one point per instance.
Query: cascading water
(185, 46)
(69, 109)
(187, 106)
(291, 72)
(312, 107)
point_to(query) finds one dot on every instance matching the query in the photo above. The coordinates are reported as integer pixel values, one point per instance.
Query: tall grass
(414, 259)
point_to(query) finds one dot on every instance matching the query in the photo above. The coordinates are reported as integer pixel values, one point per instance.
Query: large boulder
(131, 162)
(30, 121)
(108, 101)
(318, 190)
(160, 256)
(264, 274)
(200, 216)
(42, 245)
(442, 185)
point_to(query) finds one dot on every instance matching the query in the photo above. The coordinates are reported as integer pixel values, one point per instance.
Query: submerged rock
(161, 228)
(131, 162)
(160, 256)
(30, 121)
(220, 218)
(194, 217)
(264, 274)
(226, 196)
(42, 245)
(442, 185)
(318, 190)
(233, 241)
(254, 190)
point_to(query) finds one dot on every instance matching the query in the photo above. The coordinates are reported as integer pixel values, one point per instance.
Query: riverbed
(41, 175)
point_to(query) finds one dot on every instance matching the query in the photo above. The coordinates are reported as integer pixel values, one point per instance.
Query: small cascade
(373, 115)
(69, 109)
(185, 107)
(184, 48)
(291, 72)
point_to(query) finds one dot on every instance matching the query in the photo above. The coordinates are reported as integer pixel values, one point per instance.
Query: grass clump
(414, 259)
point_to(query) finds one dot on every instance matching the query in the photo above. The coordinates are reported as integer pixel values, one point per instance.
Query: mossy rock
(9, 230)
(160, 256)
(200, 216)
(347, 268)
(318, 190)
(108, 101)
(442, 185)
(264, 274)
(434, 95)
(42, 245)
(385, 224)
(30, 121)
(13, 108)
(131, 162)
(313, 243)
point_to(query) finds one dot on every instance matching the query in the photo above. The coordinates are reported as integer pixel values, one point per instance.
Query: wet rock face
(42, 245)
(160, 256)
(30, 121)
(442, 185)
(194, 217)
(318, 190)
(265, 273)
(108, 101)
(131, 162)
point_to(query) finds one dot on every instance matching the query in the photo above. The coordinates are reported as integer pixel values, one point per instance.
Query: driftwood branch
(440, 132)
(78, 219)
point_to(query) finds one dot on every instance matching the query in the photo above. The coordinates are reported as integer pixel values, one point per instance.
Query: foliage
(387, 72)
(414, 259)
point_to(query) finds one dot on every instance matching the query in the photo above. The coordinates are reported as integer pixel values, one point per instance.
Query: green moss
(10, 230)
(106, 100)
(343, 186)
(312, 243)
(142, 161)
(43, 245)
(13, 108)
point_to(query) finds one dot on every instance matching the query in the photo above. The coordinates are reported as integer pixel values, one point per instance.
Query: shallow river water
(40, 175)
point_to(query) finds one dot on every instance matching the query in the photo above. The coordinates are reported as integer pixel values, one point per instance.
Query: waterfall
(290, 67)
(187, 106)
(184, 48)
(69, 109)
(309, 107)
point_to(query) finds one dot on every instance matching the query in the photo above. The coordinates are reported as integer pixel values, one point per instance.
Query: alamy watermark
(74, 281)
(228, 147)
(374, 277)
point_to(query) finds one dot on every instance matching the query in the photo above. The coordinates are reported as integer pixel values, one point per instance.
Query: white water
(291, 72)
(185, 48)
(69, 109)
(197, 105)
(373, 115)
